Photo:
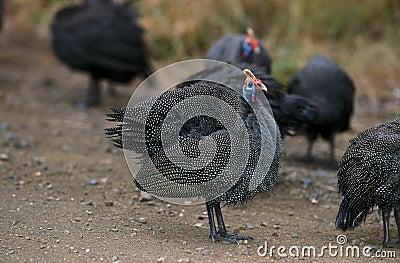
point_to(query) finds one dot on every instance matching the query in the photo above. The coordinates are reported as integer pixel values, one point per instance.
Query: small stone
(206, 252)
(4, 125)
(145, 197)
(104, 180)
(161, 259)
(10, 136)
(202, 217)
(198, 225)
(4, 157)
(295, 235)
(109, 203)
(65, 148)
(276, 226)
(321, 173)
(274, 234)
(290, 214)
(94, 182)
(115, 229)
(318, 218)
(314, 201)
(184, 260)
(66, 232)
(264, 224)
(38, 160)
(142, 220)
(55, 132)
(20, 144)
(307, 182)
(249, 226)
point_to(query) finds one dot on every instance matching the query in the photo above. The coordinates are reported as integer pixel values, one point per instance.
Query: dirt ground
(67, 194)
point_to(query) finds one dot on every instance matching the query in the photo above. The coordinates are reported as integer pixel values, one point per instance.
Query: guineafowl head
(252, 86)
(250, 46)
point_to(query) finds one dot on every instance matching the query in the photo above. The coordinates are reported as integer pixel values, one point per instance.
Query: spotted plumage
(369, 175)
(197, 128)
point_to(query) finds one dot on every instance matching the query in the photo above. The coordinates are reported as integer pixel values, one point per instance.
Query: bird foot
(231, 238)
(391, 244)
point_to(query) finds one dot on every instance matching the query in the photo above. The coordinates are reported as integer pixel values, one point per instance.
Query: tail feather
(348, 218)
(343, 218)
(133, 139)
(294, 113)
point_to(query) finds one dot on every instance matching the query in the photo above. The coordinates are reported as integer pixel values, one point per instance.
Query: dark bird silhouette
(331, 88)
(103, 39)
(236, 49)
(369, 175)
(127, 136)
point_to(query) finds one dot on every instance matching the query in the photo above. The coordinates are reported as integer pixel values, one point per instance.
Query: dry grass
(362, 36)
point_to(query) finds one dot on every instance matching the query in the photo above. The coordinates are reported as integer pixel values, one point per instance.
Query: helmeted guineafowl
(103, 39)
(331, 88)
(293, 113)
(369, 175)
(191, 133)
(235, 49)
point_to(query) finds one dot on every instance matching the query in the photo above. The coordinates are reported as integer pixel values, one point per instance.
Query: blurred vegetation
(180, 29)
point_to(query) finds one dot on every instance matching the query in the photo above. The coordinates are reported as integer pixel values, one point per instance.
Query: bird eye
(250, 84)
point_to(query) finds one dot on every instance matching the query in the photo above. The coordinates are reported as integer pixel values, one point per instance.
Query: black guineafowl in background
(126, 136)
(331, 88)
(369, 175)
(102, 38)
(236, 49)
